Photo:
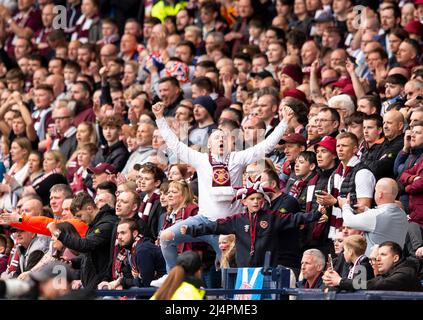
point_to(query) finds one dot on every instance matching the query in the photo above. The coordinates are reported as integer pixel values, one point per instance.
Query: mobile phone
(330, 261)
(320, 192)
(353, 199)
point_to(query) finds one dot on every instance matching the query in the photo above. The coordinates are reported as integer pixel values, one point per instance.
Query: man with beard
(139, 260)
(81, 93)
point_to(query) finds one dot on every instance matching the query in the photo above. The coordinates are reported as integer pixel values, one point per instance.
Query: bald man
(386, 222)
(393, 126)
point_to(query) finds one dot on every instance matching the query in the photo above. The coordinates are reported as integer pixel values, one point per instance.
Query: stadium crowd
(133, 131)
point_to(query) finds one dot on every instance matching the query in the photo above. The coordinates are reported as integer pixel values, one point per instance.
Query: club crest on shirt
(220, 176)
(264, 224)
(247, 227)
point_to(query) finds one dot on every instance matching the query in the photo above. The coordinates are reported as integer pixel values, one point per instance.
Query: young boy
(70, 73)
(305, 166)
(255, 229)
(149, 180)
(115, 152)
(82, 180)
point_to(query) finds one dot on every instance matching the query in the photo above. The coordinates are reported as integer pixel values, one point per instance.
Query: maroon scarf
(13, 262)
(220, 175)
(145, 206)
(297, 188)
(120, 256)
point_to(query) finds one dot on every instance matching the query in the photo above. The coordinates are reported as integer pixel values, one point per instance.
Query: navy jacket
(269, 225)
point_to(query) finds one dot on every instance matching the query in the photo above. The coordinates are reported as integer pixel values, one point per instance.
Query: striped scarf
(147, 204)
(122, 255)
(318, 228)
(297, 188)
(13, 262)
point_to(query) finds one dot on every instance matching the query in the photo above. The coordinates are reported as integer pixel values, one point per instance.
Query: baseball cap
(261, 74)
(103, 167)
(294, 138)
(327, 142)
(52, 270)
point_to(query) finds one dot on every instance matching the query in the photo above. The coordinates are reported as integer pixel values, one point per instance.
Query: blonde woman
(180, 202)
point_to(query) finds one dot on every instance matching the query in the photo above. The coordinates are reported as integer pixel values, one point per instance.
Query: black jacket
(381, 160)
(95, 247)
(346, 283)
(402, 277)
(151, 228)
(117, 155)
(289, 254)
(269, 225)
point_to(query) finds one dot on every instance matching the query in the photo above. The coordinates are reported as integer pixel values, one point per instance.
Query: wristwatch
(57, 233)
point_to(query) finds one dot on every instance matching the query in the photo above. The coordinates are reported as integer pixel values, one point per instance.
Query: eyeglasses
(61, 118)
(323, 120)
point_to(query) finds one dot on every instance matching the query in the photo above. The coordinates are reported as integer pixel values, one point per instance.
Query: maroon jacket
(184, 213)
(415, 191)
(84, 114)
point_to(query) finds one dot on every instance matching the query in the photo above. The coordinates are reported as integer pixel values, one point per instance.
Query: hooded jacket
(94, 248)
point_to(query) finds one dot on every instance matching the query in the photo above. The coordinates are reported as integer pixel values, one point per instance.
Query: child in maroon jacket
(256, 229)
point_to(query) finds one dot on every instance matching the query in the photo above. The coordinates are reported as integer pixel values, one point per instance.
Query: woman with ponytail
(184, 280)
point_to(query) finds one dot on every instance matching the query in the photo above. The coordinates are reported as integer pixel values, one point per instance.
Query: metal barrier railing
(300, 294)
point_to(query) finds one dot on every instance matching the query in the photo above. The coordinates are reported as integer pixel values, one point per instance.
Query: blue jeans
(169, 249)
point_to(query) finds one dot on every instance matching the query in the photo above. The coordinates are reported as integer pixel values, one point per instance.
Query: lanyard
(253, 227)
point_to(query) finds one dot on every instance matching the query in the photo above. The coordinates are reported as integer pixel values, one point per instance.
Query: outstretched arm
(184, 153)
(259, 151)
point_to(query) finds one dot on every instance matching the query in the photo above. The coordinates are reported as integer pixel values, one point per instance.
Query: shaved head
(388, 186)
(393, 124)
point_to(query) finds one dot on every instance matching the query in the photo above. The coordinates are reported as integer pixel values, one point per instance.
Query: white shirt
(211, 204)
